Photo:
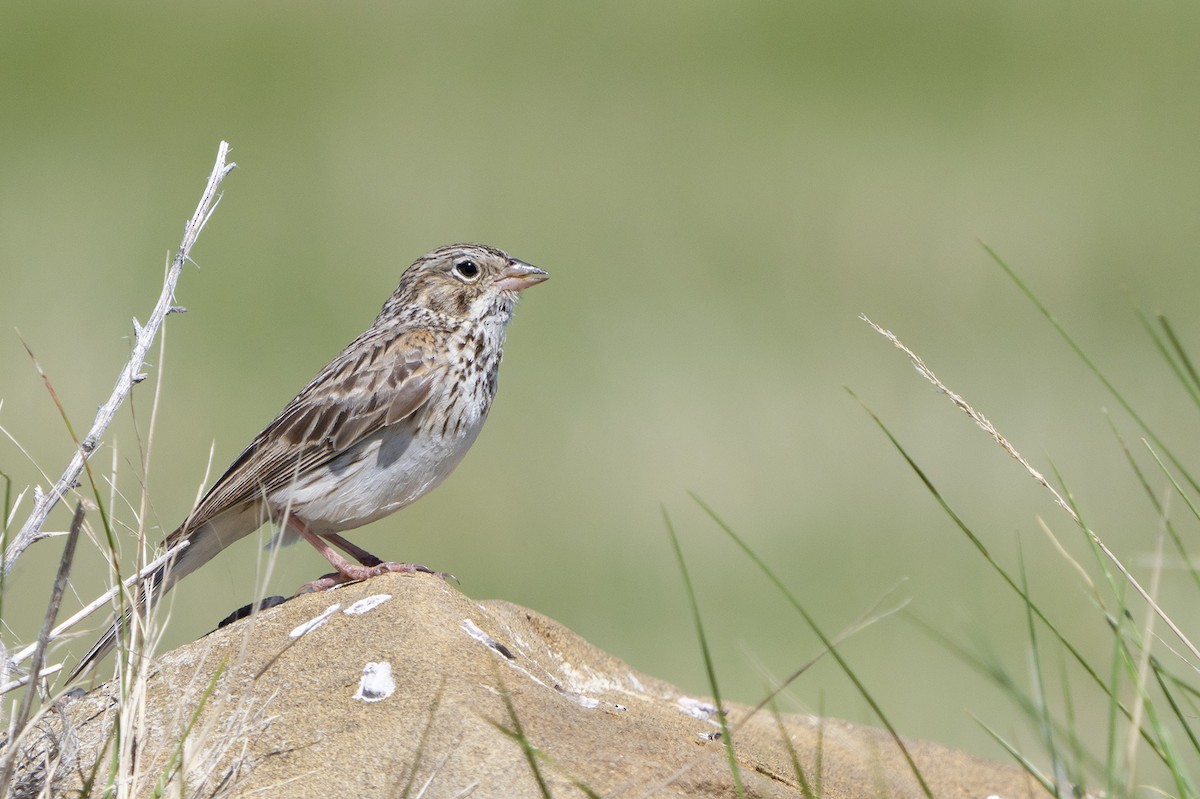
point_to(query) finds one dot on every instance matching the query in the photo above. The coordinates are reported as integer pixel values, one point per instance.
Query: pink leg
(345, 571)
(353, 550)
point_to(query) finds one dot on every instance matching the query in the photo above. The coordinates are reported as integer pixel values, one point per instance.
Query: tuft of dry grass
(39, 750)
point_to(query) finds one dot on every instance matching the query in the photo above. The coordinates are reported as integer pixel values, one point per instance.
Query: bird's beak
(519, 276)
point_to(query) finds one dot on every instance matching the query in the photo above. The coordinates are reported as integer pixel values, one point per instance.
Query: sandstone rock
(403, 686)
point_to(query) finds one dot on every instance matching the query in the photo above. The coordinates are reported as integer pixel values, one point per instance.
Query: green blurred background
(718, 191)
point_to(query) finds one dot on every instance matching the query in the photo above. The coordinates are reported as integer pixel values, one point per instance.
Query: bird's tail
(204, 542)
(152, 589)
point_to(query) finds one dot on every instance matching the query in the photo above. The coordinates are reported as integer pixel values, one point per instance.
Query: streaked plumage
(383, 423)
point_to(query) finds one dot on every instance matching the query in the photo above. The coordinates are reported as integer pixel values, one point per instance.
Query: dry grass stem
(1076, 565)
(25, 707)
(47, 671)
(100, 601)
(990, 429)
(975, 415)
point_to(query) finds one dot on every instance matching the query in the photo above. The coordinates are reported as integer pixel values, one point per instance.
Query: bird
(380, 426)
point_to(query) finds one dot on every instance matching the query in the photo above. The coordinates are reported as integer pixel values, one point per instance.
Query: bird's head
(465, 281)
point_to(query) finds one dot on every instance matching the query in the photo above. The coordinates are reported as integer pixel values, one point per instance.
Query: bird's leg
(345, 571)
(353, 550)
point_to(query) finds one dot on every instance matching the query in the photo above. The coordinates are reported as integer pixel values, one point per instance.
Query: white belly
(379, 476)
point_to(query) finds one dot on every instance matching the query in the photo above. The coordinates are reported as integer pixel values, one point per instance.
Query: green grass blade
(1180, 716)
(1023, 761)
(1180, 548)
(1108, 385)
(793, 757)
(1192, 384)
(726, 736)
(517, 733)
(1114, 675)
(1045, 722)
(825, 640)
(1071, 723)
(1004, 575)
(872, 615)
(532, 753)
(1169, 352)
(991, 668)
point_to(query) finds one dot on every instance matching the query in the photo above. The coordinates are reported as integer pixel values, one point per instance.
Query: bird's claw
(355, 574)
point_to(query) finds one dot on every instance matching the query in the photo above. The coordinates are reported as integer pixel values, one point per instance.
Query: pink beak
(520, 276)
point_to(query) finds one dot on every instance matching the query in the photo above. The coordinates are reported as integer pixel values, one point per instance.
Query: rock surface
(409, 688)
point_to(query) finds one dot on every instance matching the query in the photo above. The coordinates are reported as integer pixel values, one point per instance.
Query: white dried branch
(132, 371)
(48, 671)
(102, 600)
(990, 429)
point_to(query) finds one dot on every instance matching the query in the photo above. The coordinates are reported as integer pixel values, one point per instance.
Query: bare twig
(990, 429)
(131, 373)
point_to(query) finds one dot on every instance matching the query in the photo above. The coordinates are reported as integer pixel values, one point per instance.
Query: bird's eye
(467, 269)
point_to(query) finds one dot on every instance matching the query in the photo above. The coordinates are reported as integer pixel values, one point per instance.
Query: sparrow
(379, 427)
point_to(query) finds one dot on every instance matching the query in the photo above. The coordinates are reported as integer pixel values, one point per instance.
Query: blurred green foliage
(718, 190)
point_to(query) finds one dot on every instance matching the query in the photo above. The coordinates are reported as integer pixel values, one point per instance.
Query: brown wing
(376, 381)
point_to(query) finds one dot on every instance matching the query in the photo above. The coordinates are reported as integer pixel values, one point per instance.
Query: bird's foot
(352, 574)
